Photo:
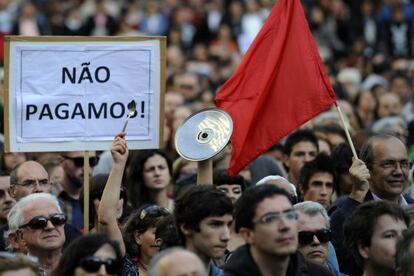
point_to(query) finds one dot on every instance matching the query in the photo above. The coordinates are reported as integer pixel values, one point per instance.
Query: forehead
(276, 203)
(310, 223)
(391, 148)
(40, 207)
(388, 223)
(322, 177)
(4, 182)
(31, 170)
(155, 160)
(224, 218)
(303, 146)
(389, 98)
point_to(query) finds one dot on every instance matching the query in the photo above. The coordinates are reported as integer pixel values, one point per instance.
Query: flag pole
(348, 136)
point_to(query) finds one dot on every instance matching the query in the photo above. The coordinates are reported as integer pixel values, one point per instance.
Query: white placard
(68, 95)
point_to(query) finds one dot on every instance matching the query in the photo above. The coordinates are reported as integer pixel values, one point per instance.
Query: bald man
(176, 262)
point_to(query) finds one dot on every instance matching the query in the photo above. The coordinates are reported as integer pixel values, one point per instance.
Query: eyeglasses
(392, 164)
(31, 183)
(92, 264)
(153, 211)
(78, 161)
(40, 222)
(272, 217)
(306, 237)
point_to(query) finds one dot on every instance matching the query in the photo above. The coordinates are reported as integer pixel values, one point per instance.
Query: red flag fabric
(279, 85)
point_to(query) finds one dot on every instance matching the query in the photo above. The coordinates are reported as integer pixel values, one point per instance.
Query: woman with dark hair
(139, 235)
(138, 243)
(93, 254)
(148, 175)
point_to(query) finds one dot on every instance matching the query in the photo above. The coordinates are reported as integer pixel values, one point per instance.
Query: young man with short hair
(300, 147)
(265, 218)
(371, 234)
(203, 217)
(317, 180)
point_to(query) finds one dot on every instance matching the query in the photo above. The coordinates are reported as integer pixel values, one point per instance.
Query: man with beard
(71, 184)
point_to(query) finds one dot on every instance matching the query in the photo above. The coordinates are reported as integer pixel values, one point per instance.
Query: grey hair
(268, 178)
(15, 216)
(153, 269)
(312, 208)
(384, 125)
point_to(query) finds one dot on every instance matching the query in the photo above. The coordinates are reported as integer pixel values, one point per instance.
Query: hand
(119, 149)
(360, 176)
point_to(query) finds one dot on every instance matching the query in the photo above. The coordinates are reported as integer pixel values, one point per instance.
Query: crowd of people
(307, 206)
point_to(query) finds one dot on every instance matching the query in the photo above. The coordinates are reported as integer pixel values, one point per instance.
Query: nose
(37, 188)
(7, 197)
(49, 225)
(308, 157)
(102, 271)
(226, 234)
(323, 190)
(398, 169)
(315, 240)
(157, 171)
(284, 224)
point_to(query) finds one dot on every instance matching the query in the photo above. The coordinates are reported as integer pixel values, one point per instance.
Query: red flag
(279, 85)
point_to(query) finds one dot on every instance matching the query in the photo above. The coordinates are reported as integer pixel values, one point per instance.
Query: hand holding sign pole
(132, 110)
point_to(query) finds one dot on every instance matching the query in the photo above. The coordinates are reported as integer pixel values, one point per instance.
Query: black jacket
(241, 263)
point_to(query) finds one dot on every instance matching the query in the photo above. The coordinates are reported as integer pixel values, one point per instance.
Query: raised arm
(360, 175)
(107, 211)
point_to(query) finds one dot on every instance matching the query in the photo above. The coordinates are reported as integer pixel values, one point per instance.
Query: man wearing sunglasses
(38, 222)
(314, 235)
(267, 221)
(72, 182)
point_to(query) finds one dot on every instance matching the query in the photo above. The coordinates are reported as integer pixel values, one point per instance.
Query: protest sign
(71, 93)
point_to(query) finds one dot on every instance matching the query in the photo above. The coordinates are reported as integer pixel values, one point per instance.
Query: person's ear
(247, 234)
(137, 237)
(363, 250)
(186, 231)
(285, 160)
(12, 191)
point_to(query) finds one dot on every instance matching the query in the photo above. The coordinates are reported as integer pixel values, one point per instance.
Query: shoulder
(129, 267)
(409, 199)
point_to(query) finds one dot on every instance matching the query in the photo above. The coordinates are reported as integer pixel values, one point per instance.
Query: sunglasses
(40, 222)
(78, 161)
(306, 237)
(153, 211)
(92, 264)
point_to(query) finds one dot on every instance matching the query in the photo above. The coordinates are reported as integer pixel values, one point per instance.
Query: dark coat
(241, 263)
(338, 213)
